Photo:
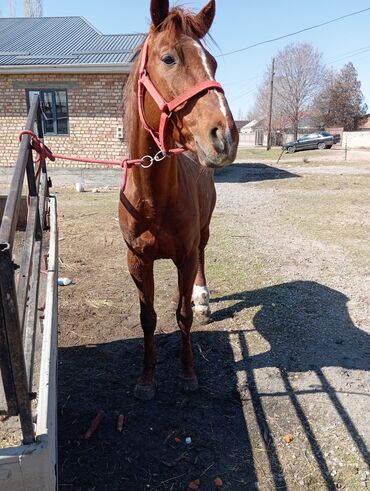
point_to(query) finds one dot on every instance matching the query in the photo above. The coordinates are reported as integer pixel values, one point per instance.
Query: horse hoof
(202, 314)
(144, 392)
(189, 384)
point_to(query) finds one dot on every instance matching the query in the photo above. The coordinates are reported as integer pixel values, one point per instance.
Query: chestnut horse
(166, 208)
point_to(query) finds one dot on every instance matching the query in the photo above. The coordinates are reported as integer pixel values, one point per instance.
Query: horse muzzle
(218, 148)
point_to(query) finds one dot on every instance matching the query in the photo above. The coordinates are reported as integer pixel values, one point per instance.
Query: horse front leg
(200, 297)
(184, 314)
(142, 273)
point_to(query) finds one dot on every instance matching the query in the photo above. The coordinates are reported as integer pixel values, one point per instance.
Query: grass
(260, 153)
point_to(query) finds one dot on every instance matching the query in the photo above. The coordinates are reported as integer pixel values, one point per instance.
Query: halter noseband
(165, 107)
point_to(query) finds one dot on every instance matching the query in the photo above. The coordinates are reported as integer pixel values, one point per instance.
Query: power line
(294, 33)
(243, 94)
(350, 54)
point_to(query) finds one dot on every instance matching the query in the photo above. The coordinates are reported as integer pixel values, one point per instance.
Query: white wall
(356, 139)
(249, 140)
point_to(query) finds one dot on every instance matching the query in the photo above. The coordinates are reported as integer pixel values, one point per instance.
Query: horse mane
(180, 20)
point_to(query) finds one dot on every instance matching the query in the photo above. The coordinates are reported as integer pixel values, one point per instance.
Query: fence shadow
(236, 173)
(308, 328)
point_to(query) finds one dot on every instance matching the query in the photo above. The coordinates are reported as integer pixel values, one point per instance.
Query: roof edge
(82, 68)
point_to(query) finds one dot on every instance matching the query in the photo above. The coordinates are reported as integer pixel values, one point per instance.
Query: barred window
(54, 109)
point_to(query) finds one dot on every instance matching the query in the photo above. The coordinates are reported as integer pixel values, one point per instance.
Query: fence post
(6, 367)
(13, 334)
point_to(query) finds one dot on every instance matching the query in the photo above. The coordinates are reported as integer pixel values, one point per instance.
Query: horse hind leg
(200, 295)
(142, 274)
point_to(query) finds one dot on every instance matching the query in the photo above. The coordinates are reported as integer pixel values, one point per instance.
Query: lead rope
(45, 152)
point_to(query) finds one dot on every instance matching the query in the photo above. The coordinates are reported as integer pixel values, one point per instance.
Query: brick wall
(94, 105)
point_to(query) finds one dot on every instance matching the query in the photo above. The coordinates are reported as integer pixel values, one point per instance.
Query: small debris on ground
(194, 484)
(65, 281)
(120, 422)
(218, 482)
(288, 438)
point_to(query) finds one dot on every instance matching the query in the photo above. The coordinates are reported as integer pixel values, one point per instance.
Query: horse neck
(158, 182)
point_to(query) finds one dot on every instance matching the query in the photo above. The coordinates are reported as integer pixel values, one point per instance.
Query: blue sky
(240, 23)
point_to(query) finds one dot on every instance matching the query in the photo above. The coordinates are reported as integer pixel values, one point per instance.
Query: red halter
(165, 107)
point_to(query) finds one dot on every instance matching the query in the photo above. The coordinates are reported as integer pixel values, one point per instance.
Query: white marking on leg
(203, 57)
(201, 299)
(200, 295)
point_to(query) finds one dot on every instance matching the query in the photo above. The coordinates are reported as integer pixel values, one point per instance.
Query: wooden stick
(120, 422)
(94, 424)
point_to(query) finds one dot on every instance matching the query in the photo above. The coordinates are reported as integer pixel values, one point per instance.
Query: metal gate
(19, 313)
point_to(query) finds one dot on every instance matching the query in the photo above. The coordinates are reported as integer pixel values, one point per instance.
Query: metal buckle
(161, 155)
(158, 157)
(150, 159)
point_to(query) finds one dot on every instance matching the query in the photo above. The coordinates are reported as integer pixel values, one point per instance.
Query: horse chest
(168, 235)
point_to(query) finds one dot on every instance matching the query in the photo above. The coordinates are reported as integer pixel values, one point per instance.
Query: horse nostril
(217, 139)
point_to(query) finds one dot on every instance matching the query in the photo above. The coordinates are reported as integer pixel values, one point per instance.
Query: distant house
(240, 123)
(79, 74)
(305, 124)
(253, 133)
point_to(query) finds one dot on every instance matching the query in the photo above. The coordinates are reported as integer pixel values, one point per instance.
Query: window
(54, 108)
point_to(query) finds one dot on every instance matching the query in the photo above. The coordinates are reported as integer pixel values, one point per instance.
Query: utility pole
(270, 109)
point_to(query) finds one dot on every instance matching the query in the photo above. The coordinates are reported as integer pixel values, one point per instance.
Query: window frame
(54, 110)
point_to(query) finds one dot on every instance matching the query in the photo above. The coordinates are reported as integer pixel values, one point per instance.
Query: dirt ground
(283, 366)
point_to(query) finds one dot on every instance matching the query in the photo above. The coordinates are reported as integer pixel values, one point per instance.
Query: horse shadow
(237, 173)
(151, 452)
(307, 326)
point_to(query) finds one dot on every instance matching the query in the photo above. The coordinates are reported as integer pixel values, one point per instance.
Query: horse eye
(168, 60)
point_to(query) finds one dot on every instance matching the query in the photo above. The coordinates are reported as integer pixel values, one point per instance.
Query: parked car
(320, 140)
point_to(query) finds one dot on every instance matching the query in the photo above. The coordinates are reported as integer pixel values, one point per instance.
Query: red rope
(44, 153)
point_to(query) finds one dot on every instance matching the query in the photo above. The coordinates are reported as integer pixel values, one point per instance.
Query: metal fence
(19, 295)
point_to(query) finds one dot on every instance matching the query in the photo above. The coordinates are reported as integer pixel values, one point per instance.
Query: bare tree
(321, 109)
(299, 74)
(242, 115)
(341, 102)
(12, 8)
(33, 8)
(260, 110)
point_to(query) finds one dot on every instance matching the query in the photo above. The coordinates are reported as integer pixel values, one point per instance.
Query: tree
(341, 102)
(299, 73)
(12, 8)
(242, 115)
(33, 8)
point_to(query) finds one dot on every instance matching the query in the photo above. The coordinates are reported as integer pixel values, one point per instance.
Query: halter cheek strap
(166, 108)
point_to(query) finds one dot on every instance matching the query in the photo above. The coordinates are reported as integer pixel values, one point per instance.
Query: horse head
(177, 61)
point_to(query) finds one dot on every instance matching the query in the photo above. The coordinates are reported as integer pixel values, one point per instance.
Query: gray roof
(62, 41)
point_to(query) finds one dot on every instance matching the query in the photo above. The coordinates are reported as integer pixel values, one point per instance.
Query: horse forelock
(180, 20)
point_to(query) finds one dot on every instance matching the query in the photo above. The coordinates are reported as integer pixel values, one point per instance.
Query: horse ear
(205, 18)
(159, 11)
